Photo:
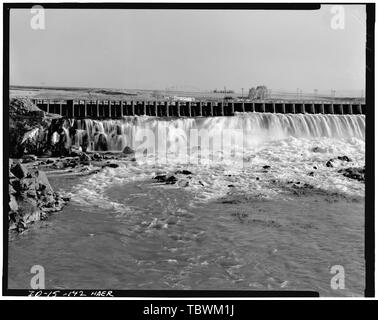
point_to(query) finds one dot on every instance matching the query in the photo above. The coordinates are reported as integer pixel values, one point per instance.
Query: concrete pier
(105, 109)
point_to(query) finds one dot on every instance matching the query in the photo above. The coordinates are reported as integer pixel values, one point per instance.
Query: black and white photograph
(167, 150)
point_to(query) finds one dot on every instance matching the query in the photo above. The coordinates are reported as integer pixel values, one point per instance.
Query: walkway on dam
(107, 109)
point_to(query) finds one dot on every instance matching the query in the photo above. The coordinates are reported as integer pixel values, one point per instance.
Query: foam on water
(284, 142)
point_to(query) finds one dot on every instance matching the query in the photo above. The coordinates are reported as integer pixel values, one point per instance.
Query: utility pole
(242, 93)
(316, 93)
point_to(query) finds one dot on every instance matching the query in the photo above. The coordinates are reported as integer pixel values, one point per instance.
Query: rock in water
(318, 150)
(84, 157)
(329, 163)
(354, 173)
(344, 158)
(75, 151)
(128, 150)
(29, 158)
(110, 165)
(166, 179)
(160, 178)
(97, 157)
(186, 172)
(171, 180)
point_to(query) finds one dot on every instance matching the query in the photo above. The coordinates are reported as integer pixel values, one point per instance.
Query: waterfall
(255, 128)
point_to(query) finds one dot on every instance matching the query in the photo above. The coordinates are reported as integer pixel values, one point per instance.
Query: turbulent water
(233, 223)
(256, 128)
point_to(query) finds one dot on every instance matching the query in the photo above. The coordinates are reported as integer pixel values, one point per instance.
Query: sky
(189, 49)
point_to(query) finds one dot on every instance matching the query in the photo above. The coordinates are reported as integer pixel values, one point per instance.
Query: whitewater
(258, 206)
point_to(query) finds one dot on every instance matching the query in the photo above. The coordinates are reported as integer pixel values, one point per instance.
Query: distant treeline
(260, 92)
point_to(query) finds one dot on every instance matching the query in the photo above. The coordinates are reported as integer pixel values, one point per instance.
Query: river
(265, 213)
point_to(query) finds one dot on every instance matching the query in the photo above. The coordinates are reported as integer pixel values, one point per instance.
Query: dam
(109, 109)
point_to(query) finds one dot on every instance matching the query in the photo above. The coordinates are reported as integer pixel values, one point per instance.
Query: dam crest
(110, 109)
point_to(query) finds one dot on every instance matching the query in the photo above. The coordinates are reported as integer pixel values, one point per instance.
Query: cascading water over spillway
(114, 135)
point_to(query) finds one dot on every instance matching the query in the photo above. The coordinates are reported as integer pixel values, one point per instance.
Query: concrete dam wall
(107, 109)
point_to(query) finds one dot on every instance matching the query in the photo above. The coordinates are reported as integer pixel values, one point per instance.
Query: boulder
(47, 153)
(110, 165)
(165, 178)
(61, 147)
(59, 165)
(20, 226)
(28, 128)
(127, 150)
(160, 178)
(171, 180)
(43, 182)
(318, 150)
(31, 197)
(11, 190)
(26, 184)
(28, 208)
(13, 205)
(344, 158)
(19, 170)
(185, 172)
(29, 158)
(75, 151)
(329, 163)
(84, 157)
(354, 173)
(97, 157)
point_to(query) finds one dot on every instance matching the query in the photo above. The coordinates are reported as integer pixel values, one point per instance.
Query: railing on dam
(117, 109)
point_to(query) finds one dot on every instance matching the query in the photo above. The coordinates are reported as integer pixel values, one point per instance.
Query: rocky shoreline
(38, 147)
(31, 197)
